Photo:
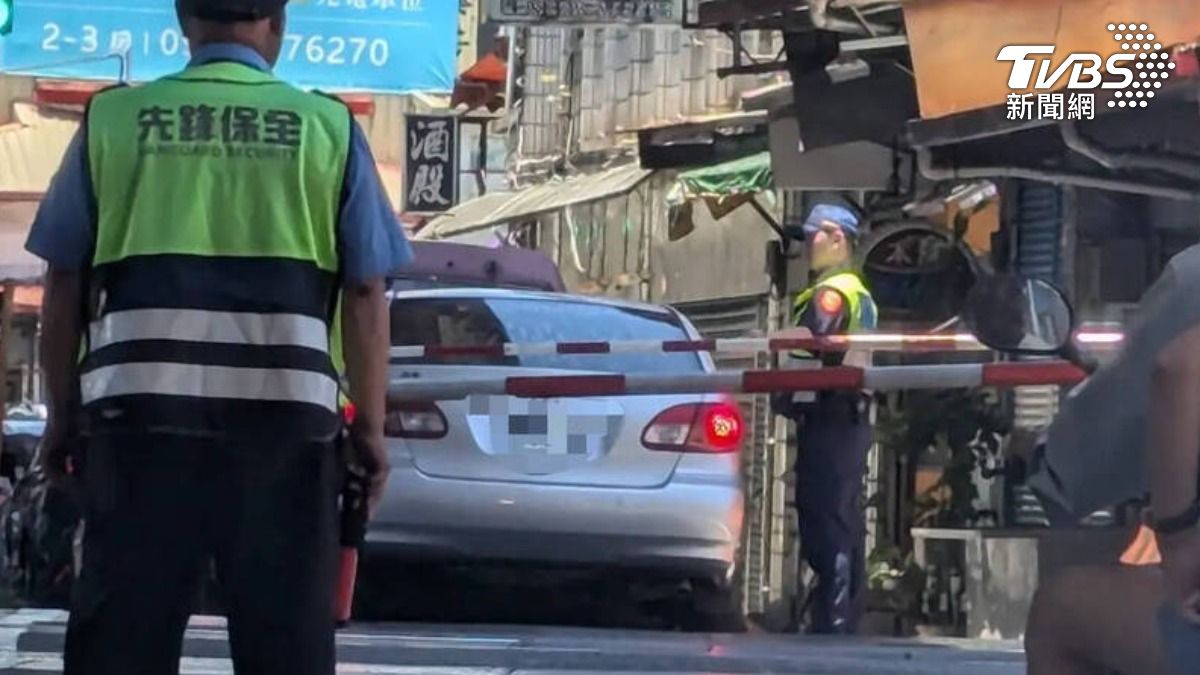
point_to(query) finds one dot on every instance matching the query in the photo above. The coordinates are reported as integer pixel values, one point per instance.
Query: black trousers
(833, 445)
(158, 509)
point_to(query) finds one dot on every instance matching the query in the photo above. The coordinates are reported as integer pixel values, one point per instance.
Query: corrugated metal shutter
(737, 317)
(1039, 221)
(1038, 217)
(541, 115)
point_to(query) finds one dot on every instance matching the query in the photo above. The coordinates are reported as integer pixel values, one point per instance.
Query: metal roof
(32, 147)
(499, 207)
(17, 264)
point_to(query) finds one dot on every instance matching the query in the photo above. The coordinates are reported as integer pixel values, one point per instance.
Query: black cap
(229, 10)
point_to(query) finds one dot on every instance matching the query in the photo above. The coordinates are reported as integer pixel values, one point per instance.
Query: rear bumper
(691, 526)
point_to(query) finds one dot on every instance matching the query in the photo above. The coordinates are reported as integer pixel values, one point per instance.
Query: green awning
(745, 176)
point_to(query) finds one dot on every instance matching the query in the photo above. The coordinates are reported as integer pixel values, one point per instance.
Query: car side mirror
(1012, 314)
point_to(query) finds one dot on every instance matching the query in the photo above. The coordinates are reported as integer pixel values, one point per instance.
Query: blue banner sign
(392, 46)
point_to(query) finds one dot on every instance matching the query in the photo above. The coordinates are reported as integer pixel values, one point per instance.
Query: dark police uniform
(223, 211)
(833, 438)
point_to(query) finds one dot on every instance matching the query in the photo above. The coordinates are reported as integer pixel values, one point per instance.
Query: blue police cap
(831, 213)
(230, 10)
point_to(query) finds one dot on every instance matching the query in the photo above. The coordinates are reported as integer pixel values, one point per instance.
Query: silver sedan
(635, 483)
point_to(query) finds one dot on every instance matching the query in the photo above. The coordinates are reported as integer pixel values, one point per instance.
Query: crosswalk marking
(423, 641)
(30, 641)
(28, 617)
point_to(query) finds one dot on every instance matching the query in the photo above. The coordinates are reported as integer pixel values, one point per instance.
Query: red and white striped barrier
(744, 382)
(933, 343)
(866, 341)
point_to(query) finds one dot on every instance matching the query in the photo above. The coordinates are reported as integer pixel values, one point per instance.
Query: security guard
(207, 227)
(833, 431)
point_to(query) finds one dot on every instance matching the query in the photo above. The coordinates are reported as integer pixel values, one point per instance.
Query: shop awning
(745, 176)
(481, 85)
(495, 208)
(724, 188)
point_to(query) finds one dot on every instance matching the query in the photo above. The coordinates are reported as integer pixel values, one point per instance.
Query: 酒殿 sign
(394, 46)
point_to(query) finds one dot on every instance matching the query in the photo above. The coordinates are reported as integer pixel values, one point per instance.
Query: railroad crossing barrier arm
(743, 382)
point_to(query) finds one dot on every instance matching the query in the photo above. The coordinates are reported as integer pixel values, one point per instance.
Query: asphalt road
(30, 641)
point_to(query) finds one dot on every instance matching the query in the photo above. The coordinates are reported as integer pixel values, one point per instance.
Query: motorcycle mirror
(1019, 316)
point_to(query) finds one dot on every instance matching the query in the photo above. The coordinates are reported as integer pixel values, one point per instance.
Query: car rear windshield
(459, 322)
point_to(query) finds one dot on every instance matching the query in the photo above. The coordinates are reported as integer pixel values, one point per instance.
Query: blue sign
(392, 46)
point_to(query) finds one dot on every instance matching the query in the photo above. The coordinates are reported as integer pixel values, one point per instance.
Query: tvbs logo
(1140, 65)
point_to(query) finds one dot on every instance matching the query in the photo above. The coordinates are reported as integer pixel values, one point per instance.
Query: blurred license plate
(504, 425)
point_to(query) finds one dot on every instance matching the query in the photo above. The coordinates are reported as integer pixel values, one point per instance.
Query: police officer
(204, 235)
(833, 431)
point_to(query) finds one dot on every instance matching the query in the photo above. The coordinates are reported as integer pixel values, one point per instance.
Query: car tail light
(415, 420)
(696, 427)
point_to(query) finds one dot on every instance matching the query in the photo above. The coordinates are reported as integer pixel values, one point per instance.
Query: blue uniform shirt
(371, 240)
(870, 313)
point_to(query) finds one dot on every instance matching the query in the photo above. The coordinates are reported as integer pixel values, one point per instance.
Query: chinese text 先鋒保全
(233, 130)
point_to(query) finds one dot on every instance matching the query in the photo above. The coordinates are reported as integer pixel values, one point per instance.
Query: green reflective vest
(861, 307)
(216, 274)
(850, 286)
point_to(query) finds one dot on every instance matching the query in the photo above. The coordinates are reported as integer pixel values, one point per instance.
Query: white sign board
(585, 12)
